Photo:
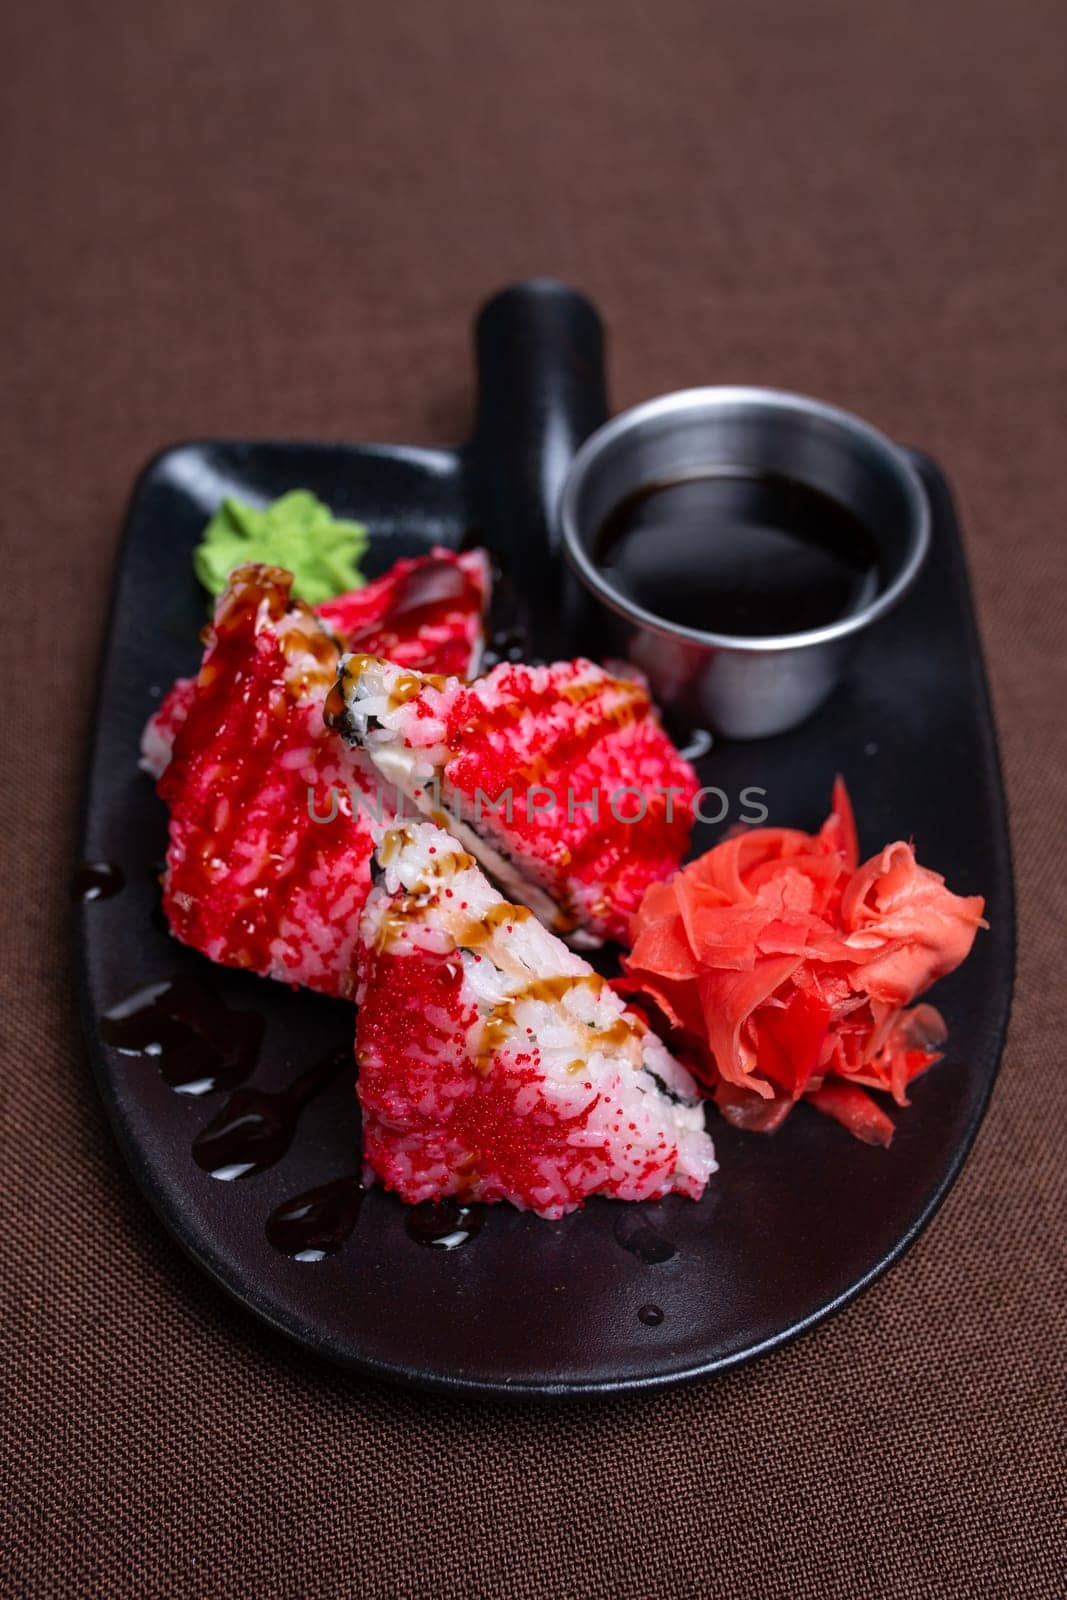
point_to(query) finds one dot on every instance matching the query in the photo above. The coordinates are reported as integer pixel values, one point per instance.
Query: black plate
(793, 1226)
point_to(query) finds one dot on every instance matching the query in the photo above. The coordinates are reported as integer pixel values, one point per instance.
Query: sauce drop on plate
(643, 1240)
(255, 1127)
(316, 1224)
(197, 1043)
(444, 1224)
(96, 880)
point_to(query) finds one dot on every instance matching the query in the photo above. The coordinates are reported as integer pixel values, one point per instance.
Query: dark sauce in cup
(750, 554)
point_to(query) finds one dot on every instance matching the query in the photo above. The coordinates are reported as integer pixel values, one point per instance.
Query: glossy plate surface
(792, 1226)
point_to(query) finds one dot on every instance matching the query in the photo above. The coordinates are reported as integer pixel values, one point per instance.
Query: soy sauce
(744, 553)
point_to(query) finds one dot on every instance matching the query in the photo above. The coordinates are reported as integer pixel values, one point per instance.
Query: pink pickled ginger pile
(788, 968)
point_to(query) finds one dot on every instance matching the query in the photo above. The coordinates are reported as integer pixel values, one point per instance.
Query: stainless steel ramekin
(744, 688)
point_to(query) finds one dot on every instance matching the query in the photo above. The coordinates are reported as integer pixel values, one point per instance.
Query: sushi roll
(426, 612)
(494, 1063)
(272, 816)
(558, 779)
(161, 729)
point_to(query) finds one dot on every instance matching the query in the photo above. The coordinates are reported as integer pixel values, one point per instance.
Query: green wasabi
(296, 532)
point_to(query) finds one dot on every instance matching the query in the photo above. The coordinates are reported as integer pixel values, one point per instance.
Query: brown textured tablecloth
(250, 219)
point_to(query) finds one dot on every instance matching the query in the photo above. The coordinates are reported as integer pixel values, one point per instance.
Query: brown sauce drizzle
(549, 989)
(445, 863)
(643, 1240)
(479, 930)
(619, 1033)
(197, 1043)
(399, 911)
(333, 707)
(317, 1223)
(413, 901)
(255, 1127)
(408, 685)
(565, 920)
(307, 638)
(405, 687)
(96, 880)
(500, 1023)
(444, 1224)
(391, 846)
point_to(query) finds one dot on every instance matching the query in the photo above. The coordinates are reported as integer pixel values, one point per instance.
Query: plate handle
(541, 392)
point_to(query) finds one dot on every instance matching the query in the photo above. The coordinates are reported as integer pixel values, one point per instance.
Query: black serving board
(792, 1226)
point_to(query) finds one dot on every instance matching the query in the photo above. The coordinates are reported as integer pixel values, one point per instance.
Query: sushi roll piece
(558, 779)
(426, 612)
(161, 729)
(494, 1063)
(272, 816)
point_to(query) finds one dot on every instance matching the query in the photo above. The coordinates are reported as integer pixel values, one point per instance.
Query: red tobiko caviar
(415, 1076)
(592, 745)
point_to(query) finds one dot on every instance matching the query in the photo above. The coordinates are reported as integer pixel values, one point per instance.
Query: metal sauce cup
(741, 687)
